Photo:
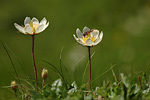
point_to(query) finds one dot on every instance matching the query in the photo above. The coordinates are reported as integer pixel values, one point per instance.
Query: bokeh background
(126, 40)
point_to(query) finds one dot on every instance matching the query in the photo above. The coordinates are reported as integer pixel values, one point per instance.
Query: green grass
(124, 49)
(127, 87)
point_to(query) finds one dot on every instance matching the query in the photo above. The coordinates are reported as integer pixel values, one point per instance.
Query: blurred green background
(126, 40)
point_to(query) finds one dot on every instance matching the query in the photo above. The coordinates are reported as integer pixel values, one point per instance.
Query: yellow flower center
(34, 26)
(84, 39)
(87, 35)
(92, 38)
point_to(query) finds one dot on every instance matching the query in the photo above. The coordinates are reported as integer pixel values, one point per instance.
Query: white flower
(88, 37)
(32, 27)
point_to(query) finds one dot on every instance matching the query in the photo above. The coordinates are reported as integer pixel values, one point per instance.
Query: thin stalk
(86, 68)
(135, 76)
(15, 93)
(43, 83)
(35, 70)
(89, 67)
(119, 82)
(139, 78)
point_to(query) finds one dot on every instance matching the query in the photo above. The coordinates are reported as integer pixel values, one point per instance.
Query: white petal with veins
(99, 39)
(80, 41)
(85, 29)
(95, 34)
(89, 42)
(79, 34)
(77, 39)
(21, 29)
(35, 21)
(46, 25)
(27, 20)
(43, 21)
(28, 29)
(39, 28)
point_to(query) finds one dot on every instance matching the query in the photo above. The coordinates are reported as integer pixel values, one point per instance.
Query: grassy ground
(126, 39)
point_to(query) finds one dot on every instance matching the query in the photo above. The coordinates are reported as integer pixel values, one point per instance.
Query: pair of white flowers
(87, 37)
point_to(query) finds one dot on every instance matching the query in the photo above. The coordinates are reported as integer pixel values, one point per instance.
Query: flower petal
(27, 20)
(79, 34)
(89, 42)
(95, 34)
(85, 29)
(40, 28)
(78, 40)
(28, 29)
(45, 26)
(35, 21)
(99, 39)
(21, 29)
(43, 21)
(75, 36)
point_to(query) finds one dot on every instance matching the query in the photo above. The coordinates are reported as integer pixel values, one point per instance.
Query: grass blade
(136, 75)
(76, 62)
(54, 68)
(62, 69)
(60, 61)
(27, 83)
(103, 73)
(146, 68)
(10, 59)
(21, 64)
(114, 74)
(67, 72)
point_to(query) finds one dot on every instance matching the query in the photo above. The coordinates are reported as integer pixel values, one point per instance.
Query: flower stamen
(31, 24)
(84, 39)
(35, 26)
(87, 35)
(92, 39)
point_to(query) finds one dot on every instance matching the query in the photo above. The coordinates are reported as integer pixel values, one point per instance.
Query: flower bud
(44, 73)
(14, 85)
